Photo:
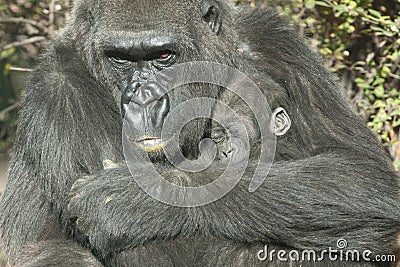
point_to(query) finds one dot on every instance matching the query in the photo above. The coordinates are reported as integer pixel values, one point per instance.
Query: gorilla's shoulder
(262, 17)
(60, 57)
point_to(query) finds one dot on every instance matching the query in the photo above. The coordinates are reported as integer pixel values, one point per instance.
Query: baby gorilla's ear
(280, 121)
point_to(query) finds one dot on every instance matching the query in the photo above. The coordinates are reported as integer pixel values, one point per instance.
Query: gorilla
(221, 134)
(70, 199)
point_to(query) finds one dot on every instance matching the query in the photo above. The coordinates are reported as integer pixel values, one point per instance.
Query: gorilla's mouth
(151, 144)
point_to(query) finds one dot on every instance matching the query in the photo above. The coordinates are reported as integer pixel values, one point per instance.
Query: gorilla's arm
(31, 232)
(304, 204)
(50, 151)
(56, 252)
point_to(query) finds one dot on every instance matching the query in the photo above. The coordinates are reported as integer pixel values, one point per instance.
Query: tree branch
(8, 109)
(51, 16)
(20, 69)
(24, 20)
(24, 42)
(67, 6)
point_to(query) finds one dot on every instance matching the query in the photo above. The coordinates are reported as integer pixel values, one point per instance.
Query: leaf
(394, 56)
(322, 3)
(339, 9)
(325, 51)
(7, 53)
(395, 112)
(7, 68)
(396, 124)
(379, 91)
(379, 104)
(378, 81)
(396, 165)
(374, 13)
(310, 4)
(385, 71)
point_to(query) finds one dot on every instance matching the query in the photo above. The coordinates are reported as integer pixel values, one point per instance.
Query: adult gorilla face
(131, 49)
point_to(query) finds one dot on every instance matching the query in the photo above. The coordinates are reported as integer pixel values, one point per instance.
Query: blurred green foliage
(25, 28)
(359, 39)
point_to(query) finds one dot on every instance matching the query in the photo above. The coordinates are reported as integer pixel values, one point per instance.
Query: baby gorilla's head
(236, 132)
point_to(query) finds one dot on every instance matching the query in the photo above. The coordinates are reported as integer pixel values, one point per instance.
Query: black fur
(331, 179)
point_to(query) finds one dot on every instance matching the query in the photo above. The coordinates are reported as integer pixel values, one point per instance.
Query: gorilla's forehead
(147, 14)
(129, 41)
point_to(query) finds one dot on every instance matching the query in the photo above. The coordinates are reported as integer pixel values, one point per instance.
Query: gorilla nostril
(145, 106)
(142, 93)
(158, 111)
(134, 86)
(129, 92)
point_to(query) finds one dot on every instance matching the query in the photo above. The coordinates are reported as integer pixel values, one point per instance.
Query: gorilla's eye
(165, 56)
(165, 59)
(118, 60)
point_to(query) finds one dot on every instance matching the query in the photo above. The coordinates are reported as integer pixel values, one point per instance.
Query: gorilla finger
(78, 184)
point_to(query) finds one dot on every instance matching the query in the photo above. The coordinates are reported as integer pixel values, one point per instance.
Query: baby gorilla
(236, 131)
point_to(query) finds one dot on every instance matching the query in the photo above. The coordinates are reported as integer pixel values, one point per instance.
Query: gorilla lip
(151, 144)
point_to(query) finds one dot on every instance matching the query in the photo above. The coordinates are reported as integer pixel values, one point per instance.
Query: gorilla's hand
(115, 213)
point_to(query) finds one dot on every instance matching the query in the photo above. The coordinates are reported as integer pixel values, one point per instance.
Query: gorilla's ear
(212, 15)
(281, 121)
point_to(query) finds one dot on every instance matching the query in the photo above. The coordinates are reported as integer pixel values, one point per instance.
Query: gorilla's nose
(145, 106)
